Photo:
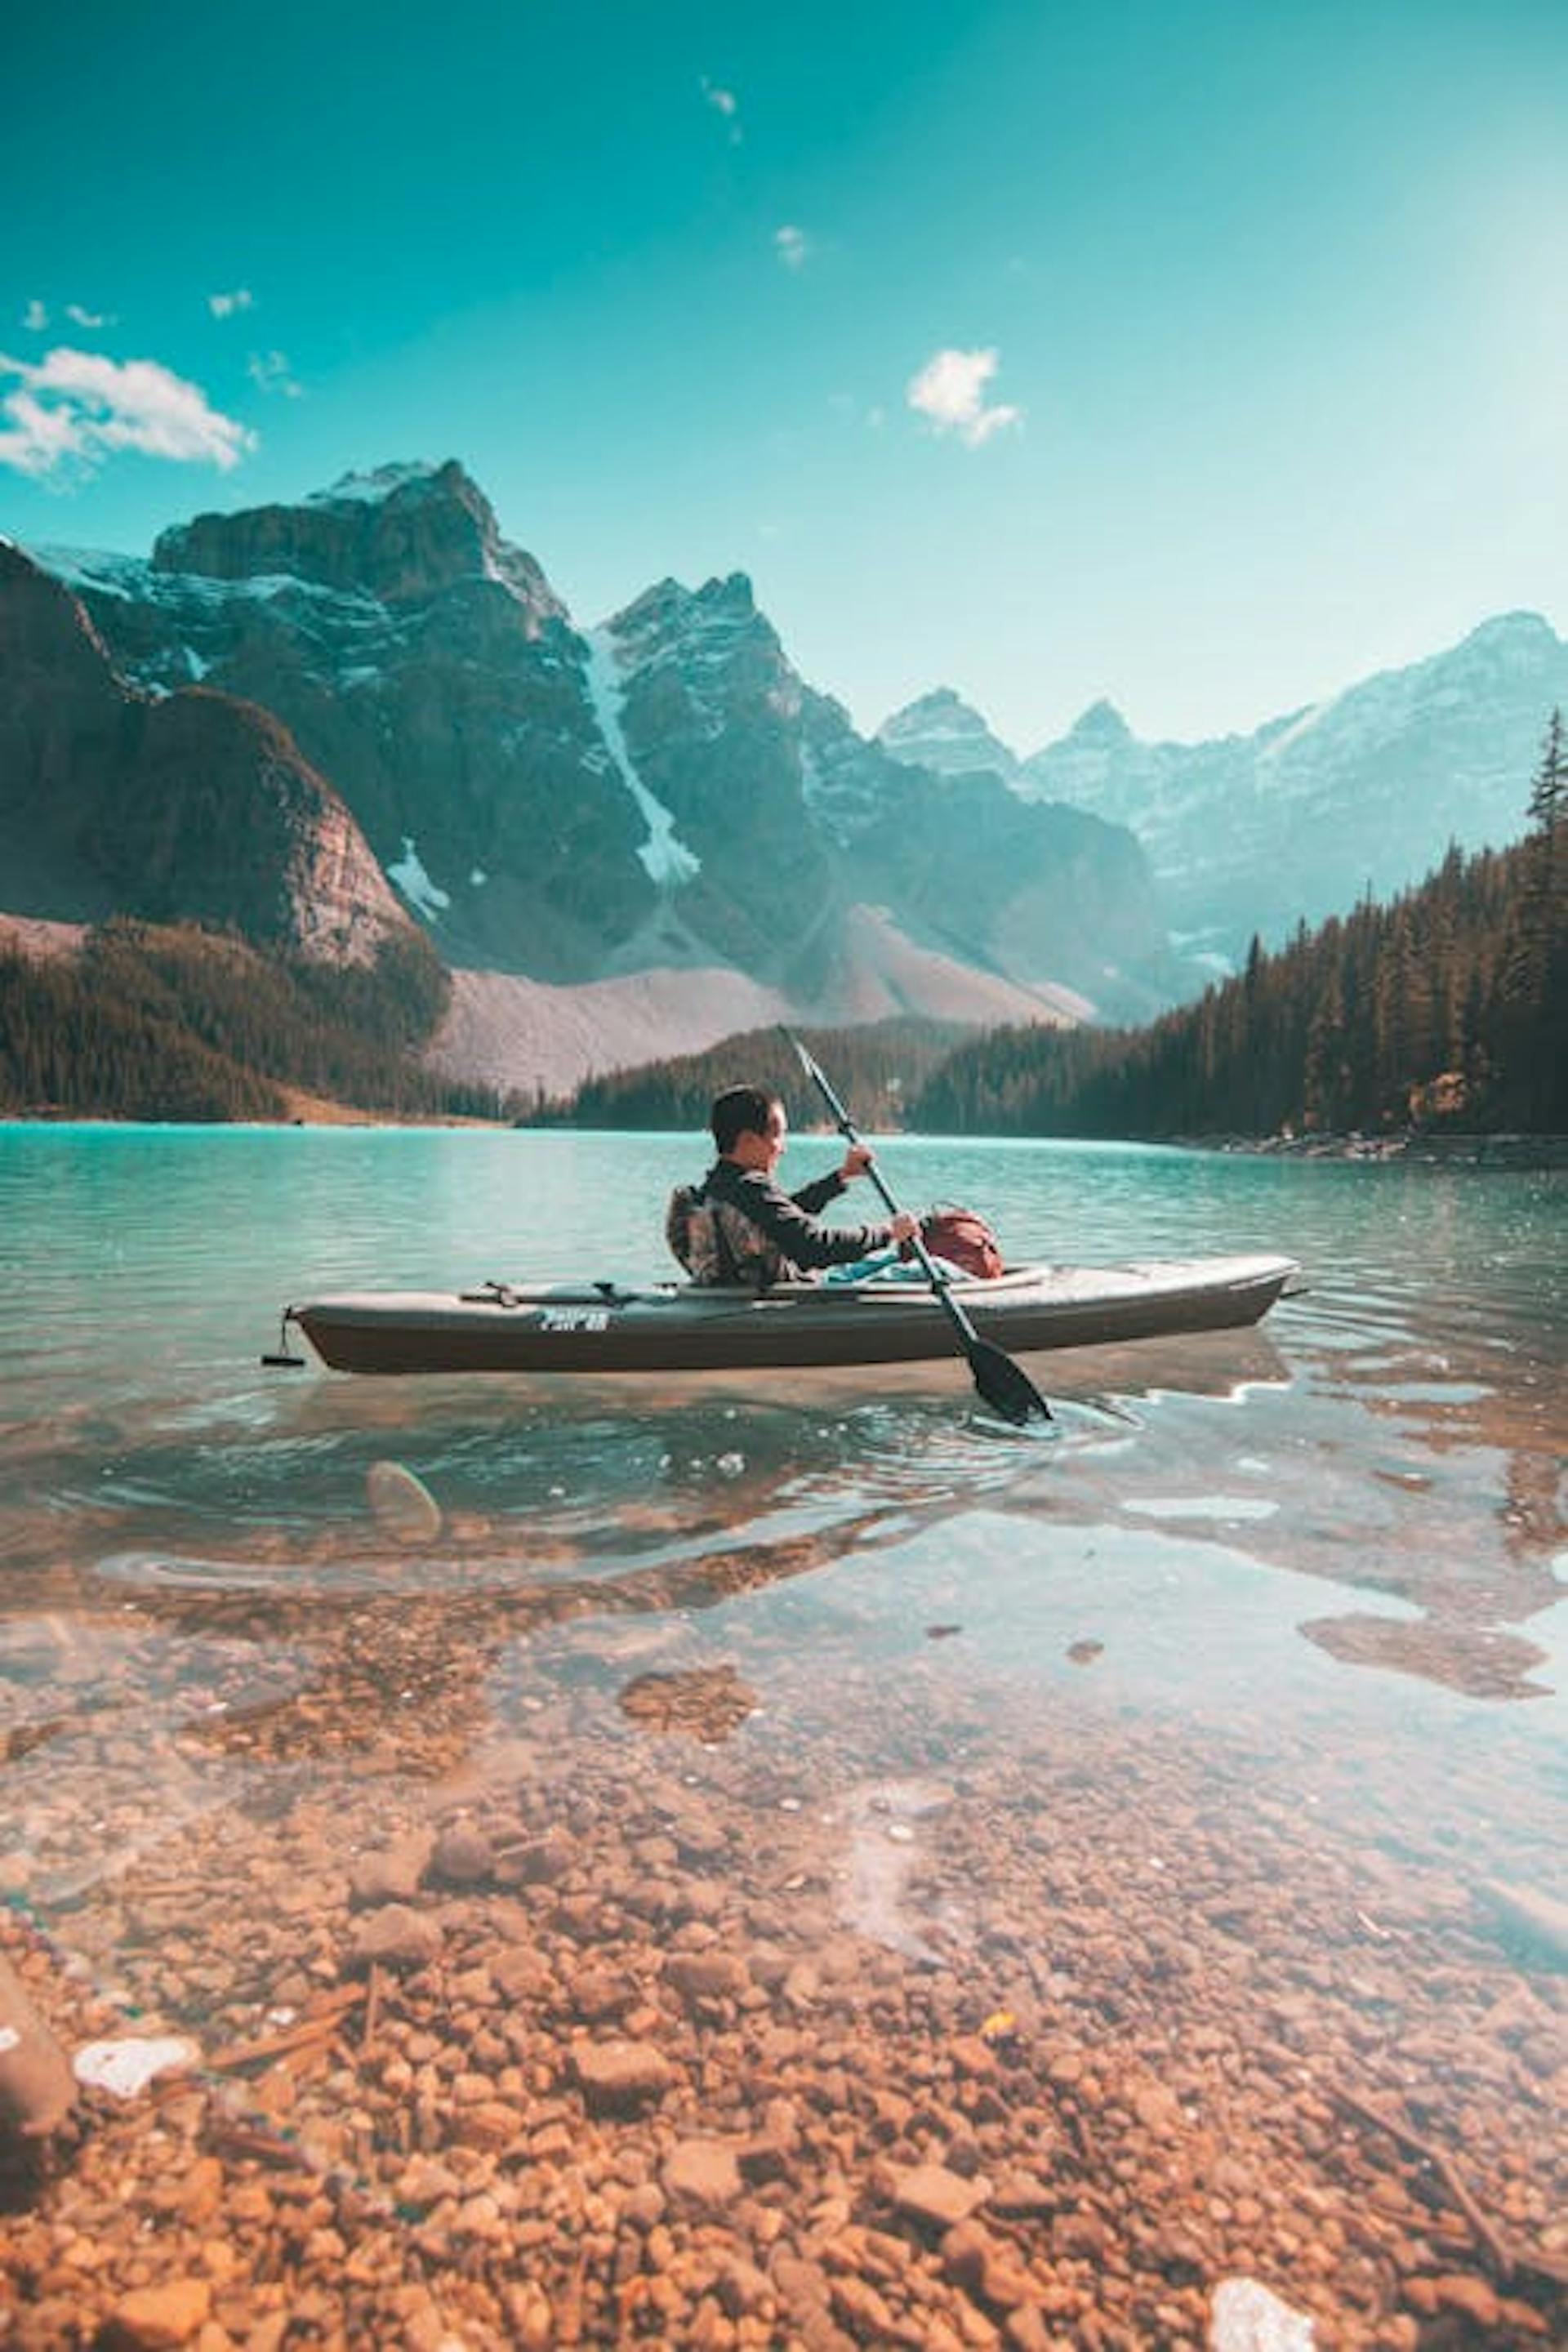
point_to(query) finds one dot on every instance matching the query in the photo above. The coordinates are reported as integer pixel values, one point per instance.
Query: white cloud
(270, 371)
(34, 318)
(80, 318)
(949, 389)
(793, 246)
(223, 306)
(34, 439)
(80, 406)
(725, 103)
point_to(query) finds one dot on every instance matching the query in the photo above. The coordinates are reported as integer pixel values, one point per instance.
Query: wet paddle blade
(1005, 1386)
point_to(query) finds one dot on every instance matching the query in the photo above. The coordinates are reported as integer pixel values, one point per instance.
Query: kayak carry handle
(283, 1357)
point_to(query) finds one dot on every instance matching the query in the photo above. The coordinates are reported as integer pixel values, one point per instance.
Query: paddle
(1005, 1387)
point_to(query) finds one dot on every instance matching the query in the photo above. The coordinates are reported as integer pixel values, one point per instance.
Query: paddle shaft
(1001, 1382)
(938, 1280)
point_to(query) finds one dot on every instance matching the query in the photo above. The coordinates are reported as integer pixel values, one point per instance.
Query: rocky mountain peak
(410, 479)
(401, 533)
(1514, 628)
(1506, 649)
(1363, 789)
(1101, 724)
(943, 701)
(943, 733)
(660, 795)
(713, 638)
(669, 611)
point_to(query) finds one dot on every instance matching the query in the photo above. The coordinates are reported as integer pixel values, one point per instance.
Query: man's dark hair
(740, 1110)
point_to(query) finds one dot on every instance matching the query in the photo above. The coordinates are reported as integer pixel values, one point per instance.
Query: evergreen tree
(1446, 1005)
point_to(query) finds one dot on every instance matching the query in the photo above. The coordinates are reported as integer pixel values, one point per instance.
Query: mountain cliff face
(1295, 822)
(660, 793)
(809, 843)
(708, 711)
(429, 671)
(191, 805)
(400, 534)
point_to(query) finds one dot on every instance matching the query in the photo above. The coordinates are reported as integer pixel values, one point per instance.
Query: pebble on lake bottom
(527, 2015)
(402, 1504)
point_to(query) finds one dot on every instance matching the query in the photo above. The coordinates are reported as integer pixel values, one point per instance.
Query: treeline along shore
(1440, 1015)
(177, 1022)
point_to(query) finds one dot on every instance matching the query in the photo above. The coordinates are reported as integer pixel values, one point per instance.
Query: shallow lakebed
(769, 1863)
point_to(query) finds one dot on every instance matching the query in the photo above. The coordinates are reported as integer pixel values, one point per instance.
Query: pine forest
(1443, 1009)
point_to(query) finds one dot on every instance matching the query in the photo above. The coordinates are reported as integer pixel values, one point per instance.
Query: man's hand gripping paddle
(1005, 1387)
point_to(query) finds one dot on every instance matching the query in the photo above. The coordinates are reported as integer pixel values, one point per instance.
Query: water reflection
(1480, 1661)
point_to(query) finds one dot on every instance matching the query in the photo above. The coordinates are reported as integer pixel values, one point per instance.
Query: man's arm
(791, 1227)
(815, 1197)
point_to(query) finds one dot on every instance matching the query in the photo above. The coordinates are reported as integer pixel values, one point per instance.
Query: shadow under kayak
(604, 1328)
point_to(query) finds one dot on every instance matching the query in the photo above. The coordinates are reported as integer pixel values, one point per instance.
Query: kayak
(606, 1327)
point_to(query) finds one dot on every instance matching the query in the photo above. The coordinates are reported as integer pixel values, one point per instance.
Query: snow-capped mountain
(947, 735)
(659, 795)
(1366, 789)
(429, 671)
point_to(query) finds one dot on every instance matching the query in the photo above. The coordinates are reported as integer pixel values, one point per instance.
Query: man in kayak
(741, 1226)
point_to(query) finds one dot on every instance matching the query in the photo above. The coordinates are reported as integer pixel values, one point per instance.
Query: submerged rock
(708, 1703)
(36, 2091)
(618, 2077)
(158, 2318)
(392, 1873)
(1534, 1918)
(1249, 2318)
(701, 2175)
(125, 2067)
(931, 2195)
(402, 1504)
(397, 1936)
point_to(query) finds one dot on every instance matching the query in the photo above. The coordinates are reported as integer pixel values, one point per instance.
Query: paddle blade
(1006, 1389)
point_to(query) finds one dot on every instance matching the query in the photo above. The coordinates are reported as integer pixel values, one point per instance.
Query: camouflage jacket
(739, 1226)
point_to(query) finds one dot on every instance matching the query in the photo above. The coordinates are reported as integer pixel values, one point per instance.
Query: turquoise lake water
(1329, 1552)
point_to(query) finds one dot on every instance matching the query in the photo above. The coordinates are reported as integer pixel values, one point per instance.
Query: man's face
(764, 1151)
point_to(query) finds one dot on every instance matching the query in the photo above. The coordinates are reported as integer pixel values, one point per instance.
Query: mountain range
(1358, 795)
(325, 723)
(625, 838)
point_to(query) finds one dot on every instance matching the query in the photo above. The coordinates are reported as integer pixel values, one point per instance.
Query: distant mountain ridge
(944, 733)
(1364, 791)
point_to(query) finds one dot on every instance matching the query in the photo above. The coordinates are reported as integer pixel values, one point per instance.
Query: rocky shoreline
(1411, 1145)
(663, 2019)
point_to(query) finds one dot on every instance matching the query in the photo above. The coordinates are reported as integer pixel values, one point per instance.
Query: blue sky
(1202, 355)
